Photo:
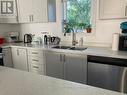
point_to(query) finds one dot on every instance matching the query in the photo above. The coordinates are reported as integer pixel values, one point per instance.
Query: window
(77, 15)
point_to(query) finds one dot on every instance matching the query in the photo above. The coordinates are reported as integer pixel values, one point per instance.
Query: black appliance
(124, 31)
(45, 39)
(123, 42)
(1, 57)
(27, 38)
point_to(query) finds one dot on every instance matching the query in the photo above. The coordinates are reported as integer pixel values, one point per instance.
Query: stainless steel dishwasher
(108, 73)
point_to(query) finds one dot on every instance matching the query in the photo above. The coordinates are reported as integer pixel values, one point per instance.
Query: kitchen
(37, 52)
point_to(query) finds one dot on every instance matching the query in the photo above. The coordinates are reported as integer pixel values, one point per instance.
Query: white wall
(4, 28)
(102, 35)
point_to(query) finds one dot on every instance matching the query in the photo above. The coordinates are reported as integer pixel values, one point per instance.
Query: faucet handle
(74, 43)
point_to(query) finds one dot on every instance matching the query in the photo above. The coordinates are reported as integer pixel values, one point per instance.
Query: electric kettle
(27, 38)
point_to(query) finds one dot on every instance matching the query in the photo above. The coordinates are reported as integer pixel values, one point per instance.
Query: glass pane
(51, 10)
(78, 14)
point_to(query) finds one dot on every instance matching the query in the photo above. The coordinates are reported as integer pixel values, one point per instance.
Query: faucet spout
(74, 42)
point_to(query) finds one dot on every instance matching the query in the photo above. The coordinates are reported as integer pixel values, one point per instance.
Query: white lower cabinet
(19, 57)
(28, 59)
(37, 68)
(54, 65)
(75, 68)
(36, 61)
(7, 57)
(72, 67)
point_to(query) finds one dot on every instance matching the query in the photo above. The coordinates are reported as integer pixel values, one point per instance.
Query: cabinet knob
(60, 58)
(32, 17)
(17, 52)
(64, 59)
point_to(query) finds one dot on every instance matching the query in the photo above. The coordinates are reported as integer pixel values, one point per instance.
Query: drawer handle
(35, 60)
(35, 67)
(34, 52)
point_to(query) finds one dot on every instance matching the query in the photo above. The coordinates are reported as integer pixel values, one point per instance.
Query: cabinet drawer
(35, 60)
(35, 53)
(38, 69)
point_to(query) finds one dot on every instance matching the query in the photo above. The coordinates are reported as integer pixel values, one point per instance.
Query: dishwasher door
(111, 75)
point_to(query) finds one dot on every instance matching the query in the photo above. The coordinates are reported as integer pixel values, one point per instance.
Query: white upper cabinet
(8, 11)
(40, 11)
(24, 10)
(113, 9)
(35, 11)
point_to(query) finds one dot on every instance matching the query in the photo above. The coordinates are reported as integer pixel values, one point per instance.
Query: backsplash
(4, 28)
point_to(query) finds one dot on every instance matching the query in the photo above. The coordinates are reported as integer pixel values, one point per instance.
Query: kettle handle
(24, 38)
(45, 39)
(53, 39)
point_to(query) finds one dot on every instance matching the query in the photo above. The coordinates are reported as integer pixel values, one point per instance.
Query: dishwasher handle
(107, 60)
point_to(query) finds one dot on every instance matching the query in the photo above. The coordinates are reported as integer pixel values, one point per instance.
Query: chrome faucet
(74, 42)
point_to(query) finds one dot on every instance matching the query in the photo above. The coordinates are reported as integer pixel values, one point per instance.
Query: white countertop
(106, 52)
(98, 51)
(15, 82)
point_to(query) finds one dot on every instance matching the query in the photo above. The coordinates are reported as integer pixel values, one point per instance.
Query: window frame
(93, 15)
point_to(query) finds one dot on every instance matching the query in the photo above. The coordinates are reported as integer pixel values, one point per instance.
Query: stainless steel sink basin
(78, 48)
(70, 48)
(61, 47)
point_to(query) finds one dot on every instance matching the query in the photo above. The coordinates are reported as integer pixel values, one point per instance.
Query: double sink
(70, 48)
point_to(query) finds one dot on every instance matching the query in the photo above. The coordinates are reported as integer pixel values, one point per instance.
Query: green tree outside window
(78, 15)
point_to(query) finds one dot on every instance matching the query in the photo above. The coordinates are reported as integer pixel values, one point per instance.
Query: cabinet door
(39, 11)
(54, 65)
(25, 10)
(23, 59)
(37, 68)
(36, 65)
(7, 57)
(75, 68)
(15, 58)
(108, 10)
(19, 57)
